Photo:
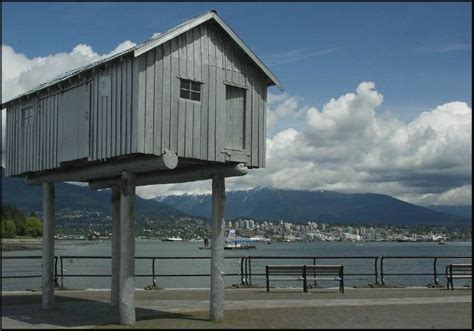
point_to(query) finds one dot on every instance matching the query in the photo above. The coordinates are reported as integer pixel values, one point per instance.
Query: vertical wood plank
(113, 115)
(131, 105)
(211, 133)
(189, 54)
(196, 151)
(254, 124)
(119, 110)
(174, 97)
(181, 127)
(260, 125)
(204, 92)
(141, 103)
(220, 115)
(158, 130)
(188, 152)
(197, 52)
(168, 77)
(264, 149)
(150, 101)
(182, 55)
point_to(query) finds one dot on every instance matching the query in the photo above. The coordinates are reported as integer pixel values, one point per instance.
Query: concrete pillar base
(47, 300)
(127, 250)
(217, 249)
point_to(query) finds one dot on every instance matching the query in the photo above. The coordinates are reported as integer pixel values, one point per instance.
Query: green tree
(33, 227)
(8, 229)
(16, 216)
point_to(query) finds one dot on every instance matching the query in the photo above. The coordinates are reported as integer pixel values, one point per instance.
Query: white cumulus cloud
(20, 73)
(345, 145)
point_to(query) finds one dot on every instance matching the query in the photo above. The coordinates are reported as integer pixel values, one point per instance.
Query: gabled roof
(188, 25)
(154, 42)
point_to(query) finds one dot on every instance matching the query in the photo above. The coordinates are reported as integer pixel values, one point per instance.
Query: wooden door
(74, 114)
(235, 118)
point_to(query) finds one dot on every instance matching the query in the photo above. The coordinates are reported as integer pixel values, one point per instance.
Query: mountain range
(259, 204)
(74, 197)
(320, 206)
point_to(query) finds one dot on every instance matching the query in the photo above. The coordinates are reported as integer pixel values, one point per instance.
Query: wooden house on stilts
(186, 105)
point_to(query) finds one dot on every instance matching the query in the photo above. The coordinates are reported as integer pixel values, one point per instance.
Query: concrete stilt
(47, 301)
(127, 249)
(114, 288)
(217, 252)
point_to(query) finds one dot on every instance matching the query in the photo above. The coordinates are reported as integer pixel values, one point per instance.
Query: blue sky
(418, 55)
(377, 96)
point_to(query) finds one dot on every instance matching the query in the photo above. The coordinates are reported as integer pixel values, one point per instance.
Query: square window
(196, 86)
(27, 114)
(184, 84)
(184, 94)
(190, 90)
(195, 96)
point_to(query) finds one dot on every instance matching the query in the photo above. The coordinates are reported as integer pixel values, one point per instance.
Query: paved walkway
(250, 308)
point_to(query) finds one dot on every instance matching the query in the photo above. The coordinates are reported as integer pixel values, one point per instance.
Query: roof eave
(199, 20)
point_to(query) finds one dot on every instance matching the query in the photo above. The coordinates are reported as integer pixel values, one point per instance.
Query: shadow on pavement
(25, 310)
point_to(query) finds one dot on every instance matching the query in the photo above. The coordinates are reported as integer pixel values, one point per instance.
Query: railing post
(55, 271)
(435, 272)
(381, 271)
(250, 270)
(153, 271)
(62, 272)
(246, 271)
(242, 270)
(376, 271)
(314, 273)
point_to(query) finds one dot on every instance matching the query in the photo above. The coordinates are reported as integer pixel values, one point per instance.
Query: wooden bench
(305, 273)
(457, 271)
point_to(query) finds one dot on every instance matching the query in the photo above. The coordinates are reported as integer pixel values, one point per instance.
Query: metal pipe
(55, 271)
(62, 272)
(376, 271)
(153, 268)
(381, 271)
(242, 271)
(435, 272)
(250, 270)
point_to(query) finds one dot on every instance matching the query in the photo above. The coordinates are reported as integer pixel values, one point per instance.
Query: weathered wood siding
(112, 111)
(198, 129)
(91, 118)
(32, 147)
(132, 105)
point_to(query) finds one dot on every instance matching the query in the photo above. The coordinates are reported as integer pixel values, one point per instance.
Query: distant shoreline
(21, 244)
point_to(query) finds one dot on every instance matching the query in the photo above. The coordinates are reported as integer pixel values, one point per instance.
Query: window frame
(27, 121)
(192, 88)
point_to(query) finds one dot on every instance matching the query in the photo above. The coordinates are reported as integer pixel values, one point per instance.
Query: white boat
(262, 239)
(172, 239)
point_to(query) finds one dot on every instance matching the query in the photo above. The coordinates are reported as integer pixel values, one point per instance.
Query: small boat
(237, 244)
(172, 239)
(442, 242)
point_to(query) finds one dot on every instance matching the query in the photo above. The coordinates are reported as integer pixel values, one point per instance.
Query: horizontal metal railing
(434, 273)
(246, 265)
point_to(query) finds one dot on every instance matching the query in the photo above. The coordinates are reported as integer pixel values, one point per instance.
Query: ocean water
(263, 255)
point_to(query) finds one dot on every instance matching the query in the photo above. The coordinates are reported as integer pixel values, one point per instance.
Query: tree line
(15, 223)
